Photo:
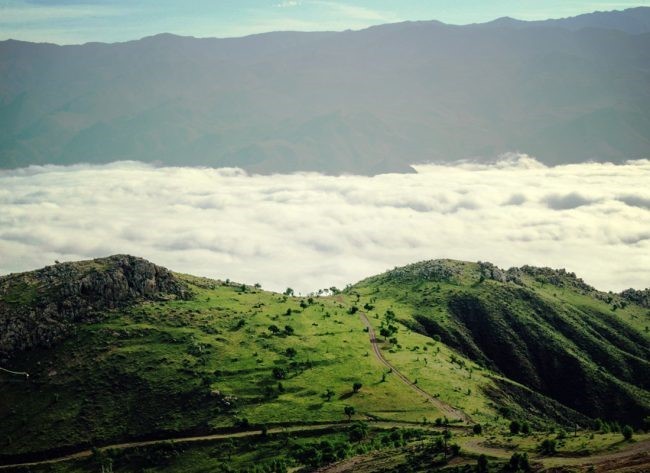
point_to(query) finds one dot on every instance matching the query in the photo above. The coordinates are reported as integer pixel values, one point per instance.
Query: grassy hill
(545, 329)
(162, 355)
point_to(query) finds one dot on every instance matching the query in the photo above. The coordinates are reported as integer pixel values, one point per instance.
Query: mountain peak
(40, 307)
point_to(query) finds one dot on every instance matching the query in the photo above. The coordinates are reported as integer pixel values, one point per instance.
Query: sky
(311, 231)
(80, 21)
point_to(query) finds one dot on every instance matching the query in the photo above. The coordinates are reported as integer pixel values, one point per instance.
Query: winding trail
(633, 457)
(446, 409)
(202, 438)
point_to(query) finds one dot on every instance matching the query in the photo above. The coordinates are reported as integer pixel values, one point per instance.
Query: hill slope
(543, 328)
(178, 355)
(363, 102)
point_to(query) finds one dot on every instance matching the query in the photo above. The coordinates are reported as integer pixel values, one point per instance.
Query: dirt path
(634, 457)
(640, 450)
(635, 454)
(203, 438)
(446, 409)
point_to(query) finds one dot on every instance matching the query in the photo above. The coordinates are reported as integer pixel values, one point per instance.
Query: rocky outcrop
(639, 297)
(432, 270)
(39, 308)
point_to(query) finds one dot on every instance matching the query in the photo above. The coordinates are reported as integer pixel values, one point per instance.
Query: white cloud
(310, 231)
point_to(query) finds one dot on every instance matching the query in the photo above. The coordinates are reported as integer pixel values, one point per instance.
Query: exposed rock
(39, 308)
(432, 270)
(640, 297)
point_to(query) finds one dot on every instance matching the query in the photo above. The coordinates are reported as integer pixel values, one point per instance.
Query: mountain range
(365, 102)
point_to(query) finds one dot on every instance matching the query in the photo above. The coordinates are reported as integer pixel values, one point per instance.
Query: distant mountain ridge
(631, 20)
(364, 102)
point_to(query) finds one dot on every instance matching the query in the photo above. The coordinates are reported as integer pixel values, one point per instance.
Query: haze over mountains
(366, 102)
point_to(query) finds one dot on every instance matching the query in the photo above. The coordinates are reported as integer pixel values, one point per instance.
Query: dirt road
(446, 409)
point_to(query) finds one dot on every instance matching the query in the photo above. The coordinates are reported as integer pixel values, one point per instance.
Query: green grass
(599, 356)
(170, 368)
(166, 366)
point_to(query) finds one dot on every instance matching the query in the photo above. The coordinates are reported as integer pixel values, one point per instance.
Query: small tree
(279, 373)
(547, 447)
(274, 329)
(228, 447)
(515, 427)
(482, 465)
(290, 352)
(356, 387)
(477, 429)
(519, 462)
(627, 432)
(288, 329)
(358, 431)
(384, 332)
(288, 292)
(349, 411)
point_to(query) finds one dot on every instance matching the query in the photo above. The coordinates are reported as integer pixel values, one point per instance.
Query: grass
(168, 368)
(175, 366)
(518, 329)
(459, 382)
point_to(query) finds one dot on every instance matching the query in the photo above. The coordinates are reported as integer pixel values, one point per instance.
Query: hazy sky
(79, 21)
(311, 231)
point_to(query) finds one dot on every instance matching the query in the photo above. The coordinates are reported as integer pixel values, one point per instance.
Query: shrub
(290, 352)
(356, 387)
(515, 427)
(242, 423)
(358, 431)
(627, 432)
(279, 373)
(547, 447)
(519, 462)
(477, 429)
(482, 465)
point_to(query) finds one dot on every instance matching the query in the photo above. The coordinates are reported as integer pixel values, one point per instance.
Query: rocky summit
(40, 307)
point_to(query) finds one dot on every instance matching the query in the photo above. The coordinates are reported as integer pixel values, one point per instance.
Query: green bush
(627, 432)
(547, 447)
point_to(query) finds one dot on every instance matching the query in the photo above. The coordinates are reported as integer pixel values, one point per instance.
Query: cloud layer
(310, 231)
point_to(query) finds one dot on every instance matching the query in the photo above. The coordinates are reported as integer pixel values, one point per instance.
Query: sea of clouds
(311, 231)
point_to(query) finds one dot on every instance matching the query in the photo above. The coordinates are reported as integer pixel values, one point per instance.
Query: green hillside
(121, 350)
(543, 328)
